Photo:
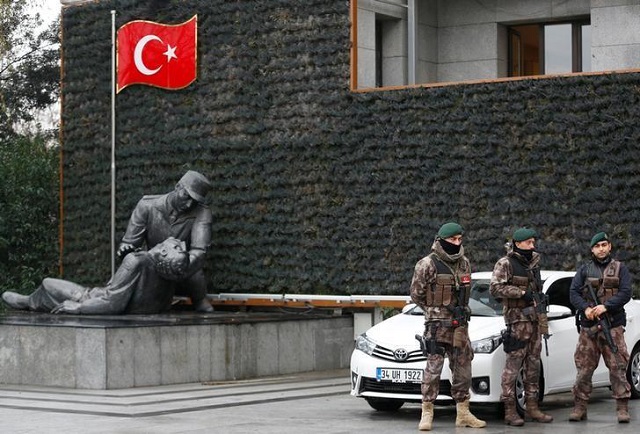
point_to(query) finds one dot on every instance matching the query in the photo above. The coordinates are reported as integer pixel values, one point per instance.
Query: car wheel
(382, 404)
(633, 372)
(519, 391)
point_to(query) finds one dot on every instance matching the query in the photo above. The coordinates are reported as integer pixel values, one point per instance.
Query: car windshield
(481, 301)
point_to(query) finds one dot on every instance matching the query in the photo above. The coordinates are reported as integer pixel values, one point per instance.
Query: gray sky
(49, 9)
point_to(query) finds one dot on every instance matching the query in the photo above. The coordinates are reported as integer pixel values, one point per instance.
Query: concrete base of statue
(113, 352)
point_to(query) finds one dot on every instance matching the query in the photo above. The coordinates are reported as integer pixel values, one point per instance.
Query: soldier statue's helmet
(196, 185)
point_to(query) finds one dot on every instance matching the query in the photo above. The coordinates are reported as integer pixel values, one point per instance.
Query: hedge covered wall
(321, 190)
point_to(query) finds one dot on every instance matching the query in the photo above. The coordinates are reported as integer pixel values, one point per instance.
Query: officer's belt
(442, 322)
(591, 331)
(526, 310)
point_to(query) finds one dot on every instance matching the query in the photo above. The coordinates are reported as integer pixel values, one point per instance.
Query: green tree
(29, 212)
(29, 160)
(29, 64)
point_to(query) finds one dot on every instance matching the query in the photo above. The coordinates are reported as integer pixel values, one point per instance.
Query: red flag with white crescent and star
(156, 54)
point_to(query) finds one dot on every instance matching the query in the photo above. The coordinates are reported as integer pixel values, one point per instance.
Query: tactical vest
(520, 279)
(444, 292)
(605, 282)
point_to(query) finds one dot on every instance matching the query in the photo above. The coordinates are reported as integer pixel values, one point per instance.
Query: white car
(387, 363)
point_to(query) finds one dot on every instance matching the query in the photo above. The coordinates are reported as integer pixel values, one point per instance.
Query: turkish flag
(156, 54)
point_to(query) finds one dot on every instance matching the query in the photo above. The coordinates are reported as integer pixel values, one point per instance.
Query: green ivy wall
(321, 190)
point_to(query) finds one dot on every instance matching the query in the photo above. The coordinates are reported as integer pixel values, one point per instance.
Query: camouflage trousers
(527, 358)
(587, 357)
(460, 358)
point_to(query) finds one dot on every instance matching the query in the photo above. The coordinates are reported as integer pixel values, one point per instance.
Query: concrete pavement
(303, 403)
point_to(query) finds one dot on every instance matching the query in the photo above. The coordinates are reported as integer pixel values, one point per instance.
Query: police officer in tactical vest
(516, 282)
(599, 291)
(440, 286)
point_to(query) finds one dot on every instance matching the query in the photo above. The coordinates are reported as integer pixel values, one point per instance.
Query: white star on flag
(170, 53)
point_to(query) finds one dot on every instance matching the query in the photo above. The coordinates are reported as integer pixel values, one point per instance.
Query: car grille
(372, 385)
(387, 354)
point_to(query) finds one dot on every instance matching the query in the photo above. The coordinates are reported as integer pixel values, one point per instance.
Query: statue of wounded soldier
(143, 284)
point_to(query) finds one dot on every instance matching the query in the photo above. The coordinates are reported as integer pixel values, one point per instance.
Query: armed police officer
(599, 291)
(516, 282)
(440, 286)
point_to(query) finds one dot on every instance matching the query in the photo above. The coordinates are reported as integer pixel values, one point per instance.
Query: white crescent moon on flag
(137, 55)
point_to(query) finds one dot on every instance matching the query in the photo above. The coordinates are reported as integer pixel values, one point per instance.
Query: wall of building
(318, 189)
(615, 50)
(427, 35)
(467, 40)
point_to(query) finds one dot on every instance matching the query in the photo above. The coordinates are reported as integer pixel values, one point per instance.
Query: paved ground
(310, 403)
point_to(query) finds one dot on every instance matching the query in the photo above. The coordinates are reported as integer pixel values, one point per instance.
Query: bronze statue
(143, 284)
(182, 214)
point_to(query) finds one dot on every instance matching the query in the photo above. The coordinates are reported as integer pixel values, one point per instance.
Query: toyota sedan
(387, 363)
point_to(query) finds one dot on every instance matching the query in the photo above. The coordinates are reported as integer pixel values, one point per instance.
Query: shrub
(29, 194)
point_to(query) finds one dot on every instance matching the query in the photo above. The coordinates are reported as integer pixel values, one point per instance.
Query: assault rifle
(459, 312)
(459, 316)
(542, 307)
(604, 324)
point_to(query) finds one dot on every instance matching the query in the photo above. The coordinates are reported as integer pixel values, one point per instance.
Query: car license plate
(399, 375)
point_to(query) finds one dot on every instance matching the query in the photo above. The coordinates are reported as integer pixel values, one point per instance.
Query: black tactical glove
(528, 296)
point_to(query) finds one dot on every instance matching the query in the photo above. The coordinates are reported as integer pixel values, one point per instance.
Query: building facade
(322, 189)
(406, 42)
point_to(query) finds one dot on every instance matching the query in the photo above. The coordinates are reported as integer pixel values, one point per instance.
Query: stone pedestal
(112, 352)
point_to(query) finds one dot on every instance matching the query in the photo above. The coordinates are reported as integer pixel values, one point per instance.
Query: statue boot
(15, 300)
(533, 412)
(464, 417)
(426, 421)
(622, 408)
(203, 306)
(579, 411)
(511, 416)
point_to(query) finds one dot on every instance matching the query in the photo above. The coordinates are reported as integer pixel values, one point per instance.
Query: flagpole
(113, 143)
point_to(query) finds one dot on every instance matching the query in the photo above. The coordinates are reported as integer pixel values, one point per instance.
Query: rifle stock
(542, 306)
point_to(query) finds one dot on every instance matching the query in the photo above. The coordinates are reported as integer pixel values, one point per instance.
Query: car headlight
(364, 344)
(487, 345)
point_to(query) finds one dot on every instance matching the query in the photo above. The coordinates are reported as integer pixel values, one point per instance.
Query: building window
(381, 43)
(416, 42)
(557, 48)
(379, 53)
